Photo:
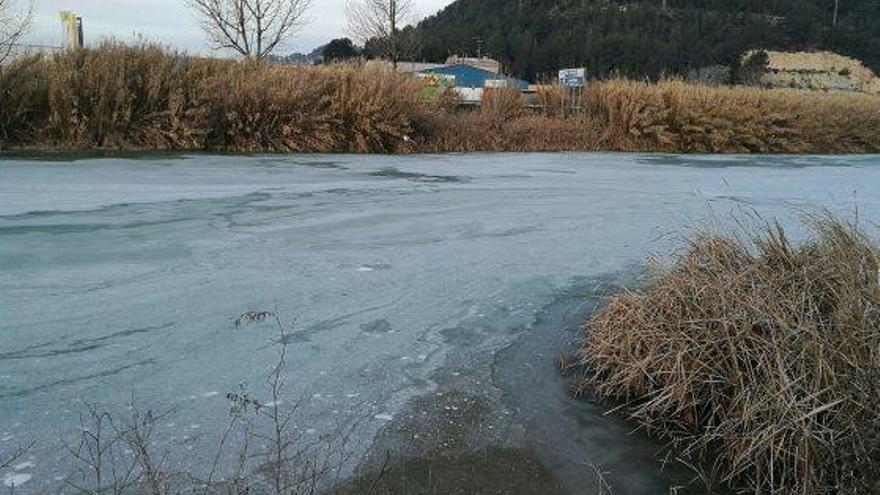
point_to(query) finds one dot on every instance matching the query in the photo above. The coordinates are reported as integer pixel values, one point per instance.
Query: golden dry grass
(670, 116)
(678, 116)
(760, 354)
(143, 97)
(23, 100)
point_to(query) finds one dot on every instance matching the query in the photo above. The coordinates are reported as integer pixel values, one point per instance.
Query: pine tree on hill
(646, 38)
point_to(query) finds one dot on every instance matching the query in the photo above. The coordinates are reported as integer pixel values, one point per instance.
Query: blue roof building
(467, 76)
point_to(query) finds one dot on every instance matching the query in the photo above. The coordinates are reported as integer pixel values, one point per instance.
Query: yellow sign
(438, 80)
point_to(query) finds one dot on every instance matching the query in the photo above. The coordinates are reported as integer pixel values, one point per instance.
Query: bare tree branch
(8, 459)
(252, 28)
(15, 21)
(380, 21)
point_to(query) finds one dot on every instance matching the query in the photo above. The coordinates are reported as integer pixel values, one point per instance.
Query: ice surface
(120, 278)
(16, 479)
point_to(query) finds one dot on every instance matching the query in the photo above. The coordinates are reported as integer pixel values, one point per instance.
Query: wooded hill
(640, 38)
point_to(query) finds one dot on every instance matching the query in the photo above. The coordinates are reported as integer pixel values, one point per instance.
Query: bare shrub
(261, 450)
(117, 458)
(291, 463)
(758, 353)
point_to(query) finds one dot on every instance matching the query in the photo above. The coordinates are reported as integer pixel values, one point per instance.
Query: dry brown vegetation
(143, 97)
(760, 354)
(676, 116)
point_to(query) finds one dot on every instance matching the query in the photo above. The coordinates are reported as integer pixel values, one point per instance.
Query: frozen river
(421, 285)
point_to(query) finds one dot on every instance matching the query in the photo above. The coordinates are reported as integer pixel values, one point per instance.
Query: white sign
(496, 83)
(573, 78)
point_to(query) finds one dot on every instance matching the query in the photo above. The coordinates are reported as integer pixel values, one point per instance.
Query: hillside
(818, 71)
(640, 38)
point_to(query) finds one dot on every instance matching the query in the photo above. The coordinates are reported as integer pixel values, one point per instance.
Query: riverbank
(118, 97)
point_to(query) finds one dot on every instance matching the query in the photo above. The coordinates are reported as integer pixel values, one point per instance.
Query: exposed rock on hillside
(816, 70)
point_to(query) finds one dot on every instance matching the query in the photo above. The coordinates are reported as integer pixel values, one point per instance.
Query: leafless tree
(380, 21)
(15, 20)
(252, 28)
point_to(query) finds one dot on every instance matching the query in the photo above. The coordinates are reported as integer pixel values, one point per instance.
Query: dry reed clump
(504, 122)
(671, 116)
(678, 116)
(114, 96)
(144, 97)
(760, 354)
(23, 100)
(501, 105)
(551, 99)
(317, 109)
(467, 131)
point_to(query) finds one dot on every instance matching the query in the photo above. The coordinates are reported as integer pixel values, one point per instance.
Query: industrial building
(468, 76)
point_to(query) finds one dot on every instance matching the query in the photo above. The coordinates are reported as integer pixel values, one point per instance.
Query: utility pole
(392, 16)
(479, 42)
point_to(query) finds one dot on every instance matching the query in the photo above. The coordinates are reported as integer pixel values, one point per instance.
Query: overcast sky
(171, 23)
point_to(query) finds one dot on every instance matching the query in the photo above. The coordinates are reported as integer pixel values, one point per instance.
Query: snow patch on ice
(16, 479)
(384, 417)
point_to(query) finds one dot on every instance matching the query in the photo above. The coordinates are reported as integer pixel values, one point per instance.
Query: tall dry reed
(681, 117)
(145, 97)
(23, 100)
(760, 354)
